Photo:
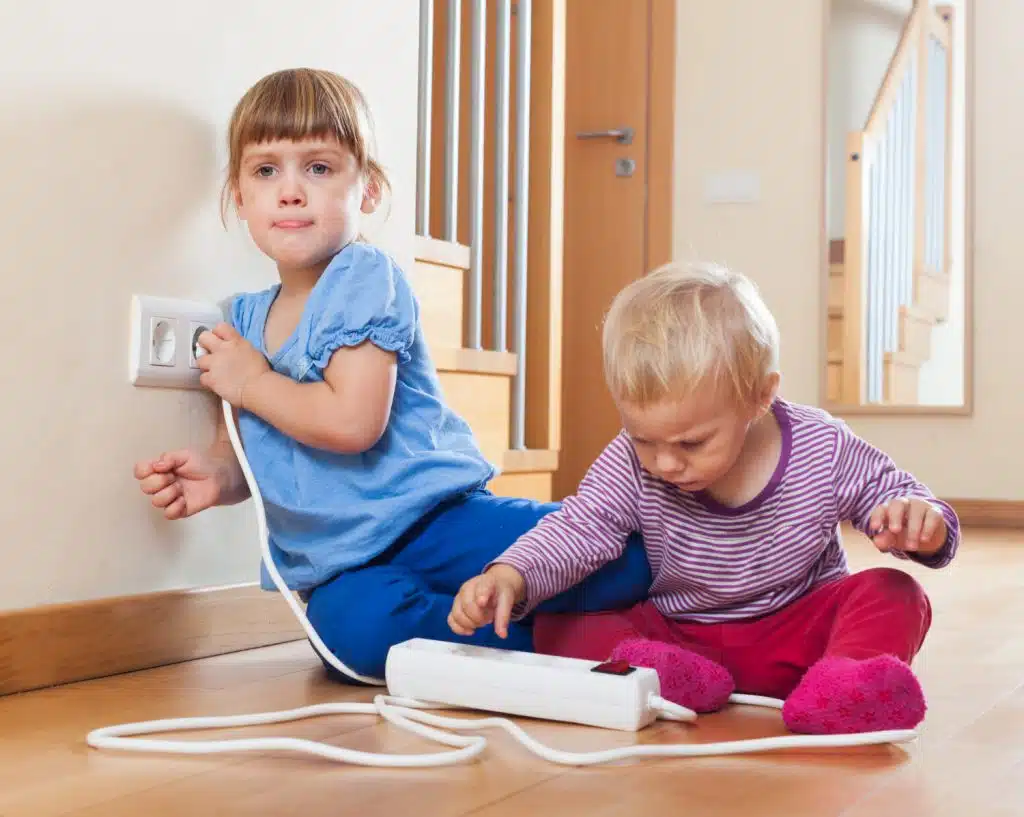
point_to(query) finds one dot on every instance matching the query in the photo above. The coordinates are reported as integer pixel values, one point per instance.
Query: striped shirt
(716, 563)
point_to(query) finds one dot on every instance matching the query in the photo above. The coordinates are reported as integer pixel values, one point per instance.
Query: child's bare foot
(844, 696)
(687, 679)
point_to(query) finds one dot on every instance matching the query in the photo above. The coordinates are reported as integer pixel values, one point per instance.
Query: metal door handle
(622, 135)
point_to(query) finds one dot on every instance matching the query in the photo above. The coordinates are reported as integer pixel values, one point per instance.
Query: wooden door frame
(661, 124)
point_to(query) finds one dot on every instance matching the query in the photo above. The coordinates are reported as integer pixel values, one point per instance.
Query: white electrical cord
(409, 715)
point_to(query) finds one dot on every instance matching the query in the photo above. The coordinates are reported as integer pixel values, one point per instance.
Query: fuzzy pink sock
(686, 678)
(844, 695)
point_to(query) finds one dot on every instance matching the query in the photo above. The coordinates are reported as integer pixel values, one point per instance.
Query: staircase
(916, 322)
(889, 276)
(488, 269)
(477, 383)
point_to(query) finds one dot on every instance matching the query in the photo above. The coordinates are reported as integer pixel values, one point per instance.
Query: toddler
(739, 495)
(375, 490)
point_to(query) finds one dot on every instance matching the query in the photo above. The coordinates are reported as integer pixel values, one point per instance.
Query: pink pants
(874, 612)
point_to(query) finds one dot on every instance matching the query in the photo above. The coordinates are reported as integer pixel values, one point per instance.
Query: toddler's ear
(769, 391)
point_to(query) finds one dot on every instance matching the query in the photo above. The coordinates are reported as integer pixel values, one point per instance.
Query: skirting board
(60, 644)
(989, 513)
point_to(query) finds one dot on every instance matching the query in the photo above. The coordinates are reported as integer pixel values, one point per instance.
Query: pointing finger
(503, 613)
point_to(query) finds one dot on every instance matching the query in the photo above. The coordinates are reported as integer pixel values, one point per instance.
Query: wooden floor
(969, 761)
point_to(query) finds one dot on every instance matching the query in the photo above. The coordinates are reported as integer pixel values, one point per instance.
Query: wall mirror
(897, 210)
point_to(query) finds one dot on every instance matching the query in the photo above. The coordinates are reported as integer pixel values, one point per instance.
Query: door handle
(621, 135)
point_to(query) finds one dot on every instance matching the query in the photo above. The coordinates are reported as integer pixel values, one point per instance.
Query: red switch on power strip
(614, 668)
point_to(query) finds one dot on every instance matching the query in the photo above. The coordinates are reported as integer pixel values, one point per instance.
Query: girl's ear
(372, 194)
(236, 197)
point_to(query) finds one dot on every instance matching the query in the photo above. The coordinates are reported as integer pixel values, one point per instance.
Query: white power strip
(611, 696)
(435, 674)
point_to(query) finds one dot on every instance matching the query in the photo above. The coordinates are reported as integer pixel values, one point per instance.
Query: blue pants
(408, 591)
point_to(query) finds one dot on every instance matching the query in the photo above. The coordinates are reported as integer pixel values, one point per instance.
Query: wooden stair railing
(490, 172)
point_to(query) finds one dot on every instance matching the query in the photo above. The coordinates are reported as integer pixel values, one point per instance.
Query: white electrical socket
(163, 340)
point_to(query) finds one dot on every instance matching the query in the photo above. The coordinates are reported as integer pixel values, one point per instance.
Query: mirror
(896, 207)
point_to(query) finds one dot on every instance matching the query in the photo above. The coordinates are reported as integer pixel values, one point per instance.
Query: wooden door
(620, 66)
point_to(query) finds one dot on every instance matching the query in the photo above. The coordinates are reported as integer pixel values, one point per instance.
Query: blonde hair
(686, 326)
(302, 103)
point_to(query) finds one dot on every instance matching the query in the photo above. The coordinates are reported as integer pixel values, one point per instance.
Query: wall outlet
(163, 349)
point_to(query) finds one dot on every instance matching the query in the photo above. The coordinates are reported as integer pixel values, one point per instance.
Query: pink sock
(844, 695)
(686, 678)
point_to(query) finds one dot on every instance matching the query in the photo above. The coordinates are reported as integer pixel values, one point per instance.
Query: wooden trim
(852, 381)
(1007, 514)
(64, 643)
(445, 253)
(969, 120)
(939, 26)
(879, 410)
(528, 485)
(661, 108)
(921, 155)
(947, 260)
(902, 357)
(546, 226)
(529, 461)
(825, 244)
(837, 251)
(474, 361)
(913, 27)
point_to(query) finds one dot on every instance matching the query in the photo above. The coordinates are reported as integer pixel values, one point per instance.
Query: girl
(374, 488)
(739, 495)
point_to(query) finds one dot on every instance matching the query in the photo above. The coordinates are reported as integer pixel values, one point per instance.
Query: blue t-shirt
(329, 512)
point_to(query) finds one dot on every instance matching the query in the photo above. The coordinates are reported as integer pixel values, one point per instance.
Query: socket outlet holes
(164, 344)
(163, 340)
(197, 351)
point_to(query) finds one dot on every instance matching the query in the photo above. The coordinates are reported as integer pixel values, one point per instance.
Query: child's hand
(486, 598)
(913, 525)
(232, 363)
(180, 482)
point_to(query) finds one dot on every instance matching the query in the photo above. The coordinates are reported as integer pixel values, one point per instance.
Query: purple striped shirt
(716, 563)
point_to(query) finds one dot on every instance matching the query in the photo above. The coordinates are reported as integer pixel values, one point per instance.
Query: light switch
(732, 187)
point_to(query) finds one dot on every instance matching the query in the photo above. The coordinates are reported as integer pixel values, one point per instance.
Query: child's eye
(265, 171)
(690, 445)
(319, 169)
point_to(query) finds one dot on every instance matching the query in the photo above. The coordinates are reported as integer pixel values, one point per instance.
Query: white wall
(749, 97)
(112, 118)
(732, 84)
